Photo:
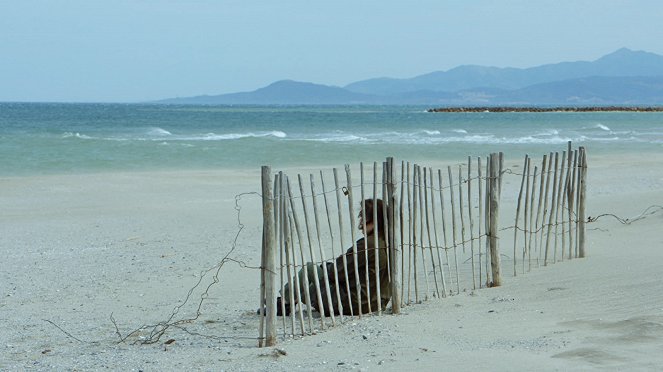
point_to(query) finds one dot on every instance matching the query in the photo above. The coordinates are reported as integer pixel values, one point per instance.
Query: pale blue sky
(138, 50)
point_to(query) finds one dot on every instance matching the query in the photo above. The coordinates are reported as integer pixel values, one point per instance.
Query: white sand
(77, 248)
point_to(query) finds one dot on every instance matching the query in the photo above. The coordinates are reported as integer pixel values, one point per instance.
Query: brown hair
(368, 206)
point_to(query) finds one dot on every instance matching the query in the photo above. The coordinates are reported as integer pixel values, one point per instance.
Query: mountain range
(624, 77)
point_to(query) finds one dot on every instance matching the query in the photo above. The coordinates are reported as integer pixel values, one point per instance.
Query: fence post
(395, 252)
(268, 265)
(494, 217)
(582, 202)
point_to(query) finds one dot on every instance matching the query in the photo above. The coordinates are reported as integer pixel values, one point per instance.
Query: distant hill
(623, 62)
(595, 90)
(624, 77)
(282, 92)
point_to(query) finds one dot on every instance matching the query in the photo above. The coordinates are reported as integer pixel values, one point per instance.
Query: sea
(67, 138)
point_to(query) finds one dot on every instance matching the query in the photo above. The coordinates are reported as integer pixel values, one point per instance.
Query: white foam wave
(431, 132)
(75, 135)
(231, 136)
(602, 127)
(346, 138)
(483, 139)
(156, 131)
(278, 134)
(460, 131)
(549, 132)
(555, 140)
(159, 134)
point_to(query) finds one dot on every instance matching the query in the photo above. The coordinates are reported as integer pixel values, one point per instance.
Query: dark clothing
(350, 302)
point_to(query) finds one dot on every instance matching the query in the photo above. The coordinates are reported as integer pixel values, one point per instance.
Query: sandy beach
(78, 248)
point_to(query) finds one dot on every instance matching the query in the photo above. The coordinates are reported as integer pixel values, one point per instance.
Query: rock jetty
(548, 109)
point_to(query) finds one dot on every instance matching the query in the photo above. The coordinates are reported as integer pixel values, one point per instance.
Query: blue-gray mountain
(624, 77)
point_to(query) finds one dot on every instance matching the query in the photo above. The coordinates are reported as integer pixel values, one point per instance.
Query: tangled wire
(159, 329)
(651, 210)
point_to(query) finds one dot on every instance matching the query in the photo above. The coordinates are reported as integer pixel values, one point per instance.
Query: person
(367, 256)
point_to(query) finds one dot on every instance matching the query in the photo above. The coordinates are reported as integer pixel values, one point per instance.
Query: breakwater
(548, 109)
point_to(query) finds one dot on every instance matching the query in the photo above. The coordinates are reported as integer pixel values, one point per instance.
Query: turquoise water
(74, 138)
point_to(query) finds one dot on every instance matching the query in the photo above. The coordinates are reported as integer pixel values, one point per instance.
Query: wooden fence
(443, 232)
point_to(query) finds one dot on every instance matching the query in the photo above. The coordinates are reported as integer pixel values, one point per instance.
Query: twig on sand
(63, 331)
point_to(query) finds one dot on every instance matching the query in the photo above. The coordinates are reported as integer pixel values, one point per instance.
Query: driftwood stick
(469, 214)
(394, 242)
(487, 221)
(545, 204)
(262, 302)
(527, 212)
(515, 228)
(582, 203)
(572, 192)
(269, 266)
(500, 173)
(348, 174)
(364, 249)
(444, 224)
(565, 206)
(339, 207)
(539, 206)
(298, 291)
(531, 218)
(410, 230)
(437, 242)
(415, 235)
(278, 217)
(494, 220)
(300, 239)
(577, 201)
(558, 206)
(296, 297)
(325, 275)
(401, 218)
(453, 224)
(480, 182)
(460, 207)
(385, 211)
(285, 247)
(316, 276)
(421, 232)
(331, 235)
(567, 190)
(430, 244)
(376, 235)
(553, 203)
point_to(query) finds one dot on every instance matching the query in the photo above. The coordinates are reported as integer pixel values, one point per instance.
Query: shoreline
(549, 109)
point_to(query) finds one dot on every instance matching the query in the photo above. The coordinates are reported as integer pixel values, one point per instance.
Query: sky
(143, 50)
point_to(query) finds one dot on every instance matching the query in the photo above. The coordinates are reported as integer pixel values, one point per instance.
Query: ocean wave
(602, 127)
(159, 134)
(549, 132)
(431, 132)
(76, 135)
(229, 136)
(596, 127)
(480, 139)
(555, 140)
(417, 137)
(156, 131)
(344, 138)
(460, 131)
